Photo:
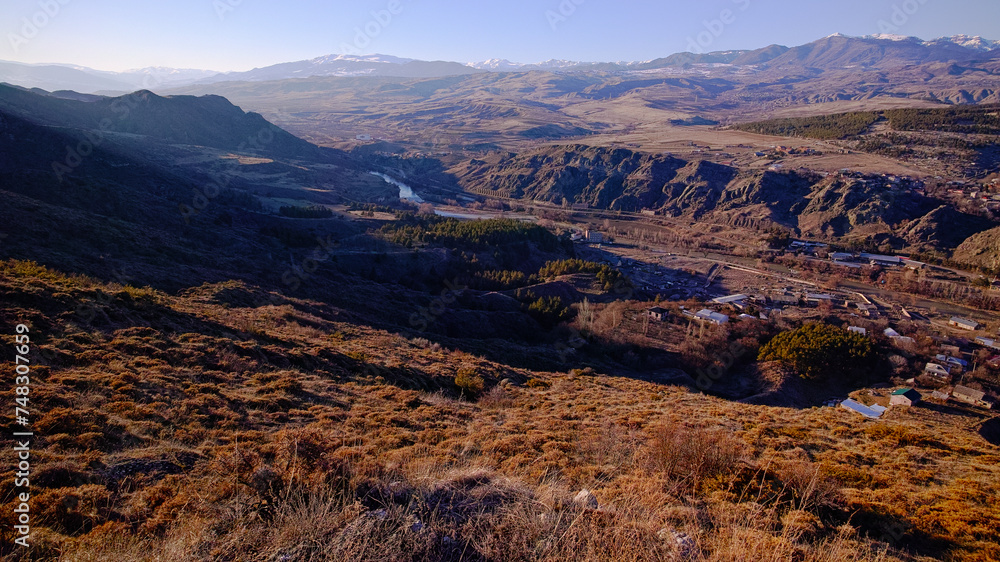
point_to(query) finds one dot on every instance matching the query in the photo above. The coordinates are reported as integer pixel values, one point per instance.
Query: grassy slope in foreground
(227, 424)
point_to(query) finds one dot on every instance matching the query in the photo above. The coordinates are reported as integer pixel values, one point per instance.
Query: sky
(228, 35)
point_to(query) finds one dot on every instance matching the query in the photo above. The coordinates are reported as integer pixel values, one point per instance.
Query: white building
(873, 412)
(712, 316)
(876, 259)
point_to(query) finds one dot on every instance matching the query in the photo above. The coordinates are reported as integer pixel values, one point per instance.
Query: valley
(410, 310)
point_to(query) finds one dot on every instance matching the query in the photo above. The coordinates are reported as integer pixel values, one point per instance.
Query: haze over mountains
(830, 53)
(150, 166)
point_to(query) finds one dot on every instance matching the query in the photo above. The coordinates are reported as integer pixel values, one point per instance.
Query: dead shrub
(610, 444)
(799, 524)
(73, 422)
(497, 398)
(812, 488)
(61, 474)
(74, 511)
(689, 456)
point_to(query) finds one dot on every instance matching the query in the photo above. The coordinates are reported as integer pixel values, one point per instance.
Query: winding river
(405, 192)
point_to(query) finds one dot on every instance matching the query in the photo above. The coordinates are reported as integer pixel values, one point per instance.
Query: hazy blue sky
(242, 34)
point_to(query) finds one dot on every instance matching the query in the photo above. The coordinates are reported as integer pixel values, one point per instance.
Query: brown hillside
(232, 423)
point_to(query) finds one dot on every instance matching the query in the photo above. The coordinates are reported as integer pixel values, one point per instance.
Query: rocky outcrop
(944, 227)
(982, 249)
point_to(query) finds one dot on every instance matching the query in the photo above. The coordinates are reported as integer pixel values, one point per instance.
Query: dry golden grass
(189, 435)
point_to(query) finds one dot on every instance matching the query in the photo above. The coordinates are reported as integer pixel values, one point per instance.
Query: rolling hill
(151, 167)
(982, 249)
(209, 121)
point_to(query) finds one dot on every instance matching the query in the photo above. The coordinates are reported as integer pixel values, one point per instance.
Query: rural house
(876, 259)
(964, 323)
(817, 298)
(785, 300)
(971, 396)
(942, 396)
(988, 342)
(657, 313)
(904, 397)
(739, 301)
(867, 309)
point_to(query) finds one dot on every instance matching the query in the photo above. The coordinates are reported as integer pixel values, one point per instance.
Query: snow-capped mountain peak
(496, 64)
(893, 37)
(559, 63)
(970, 42)
(504, 65)
(375, 58)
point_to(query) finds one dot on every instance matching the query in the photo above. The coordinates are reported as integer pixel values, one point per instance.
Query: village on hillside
(945, 347)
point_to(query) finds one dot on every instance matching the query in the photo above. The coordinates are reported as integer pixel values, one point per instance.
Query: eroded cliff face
(811, 204)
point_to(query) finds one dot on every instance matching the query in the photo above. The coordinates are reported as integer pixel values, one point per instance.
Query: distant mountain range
(54, 77)
(834, 52)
